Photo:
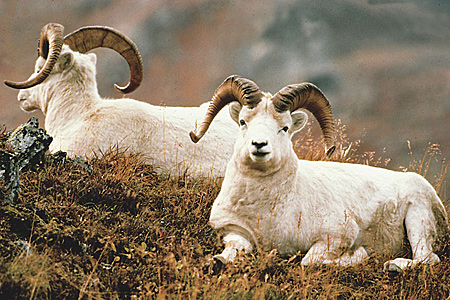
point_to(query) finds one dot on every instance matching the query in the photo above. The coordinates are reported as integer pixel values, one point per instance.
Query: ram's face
(29, 98)
(265, 135)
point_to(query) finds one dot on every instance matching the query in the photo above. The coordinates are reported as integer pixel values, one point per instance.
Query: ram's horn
(234, 88)
(309, 97)
(50, 45)
(91, 37)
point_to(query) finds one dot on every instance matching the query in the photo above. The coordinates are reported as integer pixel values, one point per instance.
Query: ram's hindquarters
(442, 229)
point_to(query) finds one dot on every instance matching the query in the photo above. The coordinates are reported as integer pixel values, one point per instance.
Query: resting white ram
(64, 88)
(334, 212)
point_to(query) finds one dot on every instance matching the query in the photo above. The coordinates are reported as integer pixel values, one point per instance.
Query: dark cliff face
(383, 64)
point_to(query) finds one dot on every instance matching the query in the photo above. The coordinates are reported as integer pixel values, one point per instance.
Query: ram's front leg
(330, 252)
(233, 243)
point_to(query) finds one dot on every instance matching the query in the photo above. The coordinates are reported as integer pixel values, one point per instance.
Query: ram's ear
(235, 108)
(299, 119)
(65, 61)
(92, 57)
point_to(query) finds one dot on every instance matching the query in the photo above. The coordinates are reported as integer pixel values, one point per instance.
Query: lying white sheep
(64, 88)
(333, 212)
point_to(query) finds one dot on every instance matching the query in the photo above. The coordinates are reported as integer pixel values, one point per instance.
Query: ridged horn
(311, 98)
(91, 37)
(50, 45)
(234, 88)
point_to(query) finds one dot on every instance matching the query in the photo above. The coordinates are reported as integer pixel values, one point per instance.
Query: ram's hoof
(218, 262)
(390, 266)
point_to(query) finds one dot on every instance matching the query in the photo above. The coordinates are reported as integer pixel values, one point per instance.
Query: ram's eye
(285, 128)
(242, 122)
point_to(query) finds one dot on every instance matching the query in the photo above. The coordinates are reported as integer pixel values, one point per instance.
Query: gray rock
(28, 144)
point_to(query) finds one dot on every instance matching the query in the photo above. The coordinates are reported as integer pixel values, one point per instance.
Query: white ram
(334, 212)
(81, 122)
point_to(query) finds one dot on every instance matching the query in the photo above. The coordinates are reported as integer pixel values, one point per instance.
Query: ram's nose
(259, 143)
(23, 95)
(260, 150)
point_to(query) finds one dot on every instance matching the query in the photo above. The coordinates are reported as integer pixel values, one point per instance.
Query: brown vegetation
(122, 232)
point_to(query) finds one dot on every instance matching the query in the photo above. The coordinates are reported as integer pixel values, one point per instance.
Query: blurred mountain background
(384, 65)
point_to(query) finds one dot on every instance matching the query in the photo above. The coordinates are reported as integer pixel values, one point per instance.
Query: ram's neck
(274, 179)
(68, 106)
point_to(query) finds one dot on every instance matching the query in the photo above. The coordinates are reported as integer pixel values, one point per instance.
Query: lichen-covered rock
(27, 146)
(29, 142)
(61, 158)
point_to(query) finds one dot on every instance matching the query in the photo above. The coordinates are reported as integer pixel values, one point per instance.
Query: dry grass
(122, 232)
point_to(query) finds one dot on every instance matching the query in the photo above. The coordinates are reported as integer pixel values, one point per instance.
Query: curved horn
(234, 88)
(50, 45)
(91, 37)
(309, 97)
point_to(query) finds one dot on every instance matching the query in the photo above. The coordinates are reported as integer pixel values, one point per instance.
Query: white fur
(81, 122)
(334, 212)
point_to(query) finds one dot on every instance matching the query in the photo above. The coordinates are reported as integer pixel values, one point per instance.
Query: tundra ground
(123, 232)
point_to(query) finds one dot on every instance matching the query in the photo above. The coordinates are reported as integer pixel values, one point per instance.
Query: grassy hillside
(122, 232)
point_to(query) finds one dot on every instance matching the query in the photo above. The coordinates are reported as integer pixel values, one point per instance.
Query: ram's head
(267, 122)
(57, 56)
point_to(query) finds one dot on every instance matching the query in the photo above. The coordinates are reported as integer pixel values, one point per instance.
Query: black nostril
(259, 144)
